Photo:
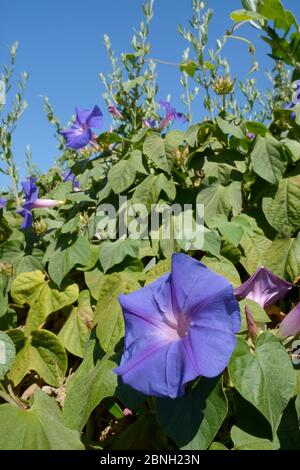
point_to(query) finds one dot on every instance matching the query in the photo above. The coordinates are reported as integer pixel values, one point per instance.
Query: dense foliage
(61, 325)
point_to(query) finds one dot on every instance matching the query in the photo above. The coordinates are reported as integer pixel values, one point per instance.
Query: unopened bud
(223, 85)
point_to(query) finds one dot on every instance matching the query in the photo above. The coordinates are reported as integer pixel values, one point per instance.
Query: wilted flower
(251, 325)
(179, 327)
(290, 325)
(149, 123)
(80, 133)
(263, 287)
(113, 110)
(3, 203)
(32, 202)
(69, 176)
(171, 114)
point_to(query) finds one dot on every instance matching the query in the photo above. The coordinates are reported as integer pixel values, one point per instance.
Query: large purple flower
(32, 202)
(179, 327)
(290, 325)
(3, 203)
(80, 133)
(263, 287)
(171, 114)
(68, 176)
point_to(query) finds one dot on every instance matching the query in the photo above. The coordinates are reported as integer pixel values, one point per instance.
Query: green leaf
(154, 148)
(130, 84)
(147, 193)
(255, 245)
(108, 313)
(93, 381)
(267, 383)
(93, 279)
(121, 176)
(212, 242)
(39, 428)
(245, 15)
(282, 208)
(7, 353)
(268, 159)
(283, 258)
(245, 441)
(257, 311)
(67, 257)
(293, 148)
(112, 253)
(75, 332)
(256, 128)
(223, 267)
(219, 200)
(161, 268)
(42, 353)
(43, 297)
(229, 127)
(193, 420)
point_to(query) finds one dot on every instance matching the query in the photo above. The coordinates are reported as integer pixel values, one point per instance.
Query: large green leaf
(245, 441)
(108, 313)
(43, 297)
(220, 200)
(268, 159)
(283, 258)
(93, 381)
(39, 428)
(112, 253)
(154, 148)
(75, 332)
(67, 257)
(193, 420)
(43, 353)
(7, 353)
(122, 175)
(282, 209)
(223, 267)
(147, 193)
(264, 377)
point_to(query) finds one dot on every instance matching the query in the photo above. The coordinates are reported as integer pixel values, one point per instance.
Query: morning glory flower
(3, 203)
(290, 325)
(178, 328)
(263, 287)
(32, 202)
(171, 114)
(113, 110)
(80, 133)
(69, 176)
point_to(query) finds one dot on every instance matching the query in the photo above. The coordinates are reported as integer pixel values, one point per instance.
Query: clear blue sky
(61, 46)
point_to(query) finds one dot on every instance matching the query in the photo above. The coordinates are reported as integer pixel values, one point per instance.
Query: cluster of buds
(40, 226)
(84, 217)
(6, 268)
(181, 155)
(223, 85)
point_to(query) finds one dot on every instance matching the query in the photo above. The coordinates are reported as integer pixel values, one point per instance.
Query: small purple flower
(250, 135)
(80, 133)
(68, 176)
(113, 110)
(179, 327)
(263, 287)
(290, 325)
(3, 203)
(151, 123)
(296, 98)
(32, 202)
(171, 114)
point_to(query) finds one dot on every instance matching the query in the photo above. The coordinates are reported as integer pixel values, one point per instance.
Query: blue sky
(61, 46)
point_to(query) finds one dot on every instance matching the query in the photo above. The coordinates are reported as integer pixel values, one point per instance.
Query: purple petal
(45, 203)
(26, 214)
(89, 118)
(77, 137)
(290, 326)
(181, 117)
(263, 287)
(3, 203)
(30, 189)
